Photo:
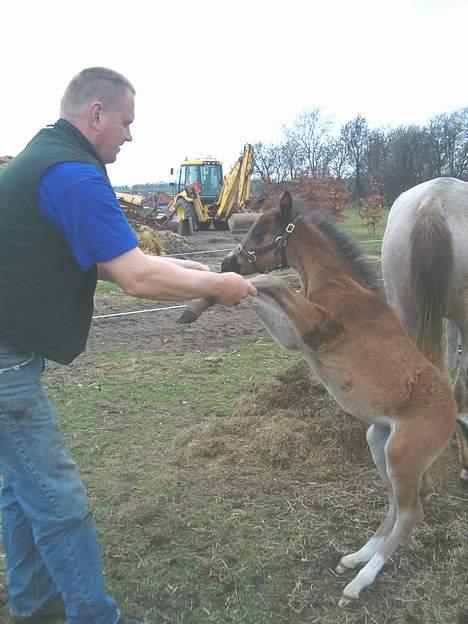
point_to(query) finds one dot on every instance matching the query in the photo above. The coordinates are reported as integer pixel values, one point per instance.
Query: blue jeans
(49, 537)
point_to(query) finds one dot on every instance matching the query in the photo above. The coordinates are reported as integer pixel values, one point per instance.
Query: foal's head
(262, 249)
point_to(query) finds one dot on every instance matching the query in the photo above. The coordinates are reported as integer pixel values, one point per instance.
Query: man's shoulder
(79, 177)
(73, 171)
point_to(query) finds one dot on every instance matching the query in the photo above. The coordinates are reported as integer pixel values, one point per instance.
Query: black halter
(278, 246)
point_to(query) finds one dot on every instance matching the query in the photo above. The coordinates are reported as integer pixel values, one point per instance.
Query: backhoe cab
(204, 197)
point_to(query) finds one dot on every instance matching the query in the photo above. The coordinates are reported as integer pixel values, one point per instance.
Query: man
(61, 228)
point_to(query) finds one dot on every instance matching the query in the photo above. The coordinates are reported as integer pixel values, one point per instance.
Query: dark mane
(348, 248)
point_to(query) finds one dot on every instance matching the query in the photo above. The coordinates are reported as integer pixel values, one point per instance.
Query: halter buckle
(289, 228)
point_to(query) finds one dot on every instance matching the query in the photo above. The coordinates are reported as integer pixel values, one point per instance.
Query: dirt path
(217, 330)
(245, 513)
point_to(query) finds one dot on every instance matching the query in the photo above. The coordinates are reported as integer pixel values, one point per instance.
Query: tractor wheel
(189, 222)
(221, 225)
(185, 227)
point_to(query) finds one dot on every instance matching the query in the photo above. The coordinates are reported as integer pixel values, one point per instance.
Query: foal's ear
(286, 208)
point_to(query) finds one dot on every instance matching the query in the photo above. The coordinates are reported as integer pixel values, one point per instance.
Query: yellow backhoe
(203, 197)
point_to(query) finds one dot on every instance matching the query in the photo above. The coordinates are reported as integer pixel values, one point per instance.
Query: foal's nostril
(230, 264)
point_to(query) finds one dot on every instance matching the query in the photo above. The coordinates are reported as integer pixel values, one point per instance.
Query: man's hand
(153, 277)
(233, 288)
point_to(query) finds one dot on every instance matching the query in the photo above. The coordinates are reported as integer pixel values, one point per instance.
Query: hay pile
(150, 241)
(290, 420)
(174, 243)
(285, 420)
(161, 242)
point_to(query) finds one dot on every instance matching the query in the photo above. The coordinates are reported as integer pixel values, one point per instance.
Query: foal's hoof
(426, 500)
(350, 592)
(464, 476)
(341, 568)
(343, 601)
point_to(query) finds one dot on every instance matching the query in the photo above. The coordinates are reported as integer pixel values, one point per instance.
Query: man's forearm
(187, 264)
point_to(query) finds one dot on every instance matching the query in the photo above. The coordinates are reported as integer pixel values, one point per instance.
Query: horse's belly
(350, 396)
(352, 403)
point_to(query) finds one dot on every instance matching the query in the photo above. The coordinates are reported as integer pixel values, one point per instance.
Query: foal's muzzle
(230, 264)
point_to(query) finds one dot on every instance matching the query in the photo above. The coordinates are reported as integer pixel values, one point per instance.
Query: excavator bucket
(242, 221)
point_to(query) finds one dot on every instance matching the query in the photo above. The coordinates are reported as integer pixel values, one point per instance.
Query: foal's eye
(258, 235)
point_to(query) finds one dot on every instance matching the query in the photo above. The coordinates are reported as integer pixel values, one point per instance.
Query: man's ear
(95, 115)
(286, 208)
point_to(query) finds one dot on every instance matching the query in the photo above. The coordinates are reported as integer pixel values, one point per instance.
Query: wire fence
(370, 241)
(352, 223)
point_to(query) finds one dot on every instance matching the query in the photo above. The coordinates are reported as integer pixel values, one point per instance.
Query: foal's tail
(431, 267)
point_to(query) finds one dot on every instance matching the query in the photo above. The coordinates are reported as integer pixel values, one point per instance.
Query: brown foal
(357, 346)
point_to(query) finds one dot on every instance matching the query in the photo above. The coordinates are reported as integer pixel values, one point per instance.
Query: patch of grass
(103, 288)
(212, 541)
(119, 413)
(356, 227)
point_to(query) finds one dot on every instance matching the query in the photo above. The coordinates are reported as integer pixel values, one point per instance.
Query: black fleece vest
(46, 300)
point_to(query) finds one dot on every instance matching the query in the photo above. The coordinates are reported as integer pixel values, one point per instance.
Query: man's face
(114, 127)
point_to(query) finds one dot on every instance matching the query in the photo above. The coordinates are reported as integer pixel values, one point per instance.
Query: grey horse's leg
(458, 342)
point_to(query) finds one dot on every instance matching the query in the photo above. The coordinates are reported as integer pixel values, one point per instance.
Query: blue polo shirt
(79, 201)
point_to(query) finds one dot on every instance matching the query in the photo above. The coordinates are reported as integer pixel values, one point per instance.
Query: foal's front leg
(294, 321)
(275, 321)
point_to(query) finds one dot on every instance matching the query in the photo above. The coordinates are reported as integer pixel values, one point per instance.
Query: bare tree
(338, 158)
(310, 131)
(355, 135)
(291, 157)
(460, 161)
(441, 142)
(377, 156)
(448, 143)
(407, 163)
(393, 158)
(263, 162)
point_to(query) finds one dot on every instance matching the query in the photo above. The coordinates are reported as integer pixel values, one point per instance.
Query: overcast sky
(211, 75)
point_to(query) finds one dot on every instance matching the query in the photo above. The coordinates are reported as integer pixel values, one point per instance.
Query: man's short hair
(94, 84)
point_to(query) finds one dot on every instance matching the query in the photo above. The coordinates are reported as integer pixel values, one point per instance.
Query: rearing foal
(357, 346)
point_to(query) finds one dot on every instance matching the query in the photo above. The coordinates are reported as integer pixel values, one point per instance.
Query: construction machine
(203, 197)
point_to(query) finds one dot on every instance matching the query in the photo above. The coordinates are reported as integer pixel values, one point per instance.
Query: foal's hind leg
(405, 482)
(377, 437)
(410, 449)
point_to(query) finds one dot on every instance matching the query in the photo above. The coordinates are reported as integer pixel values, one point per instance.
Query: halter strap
(278, 246)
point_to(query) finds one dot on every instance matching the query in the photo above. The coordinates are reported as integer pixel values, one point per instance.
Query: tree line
(369, 161)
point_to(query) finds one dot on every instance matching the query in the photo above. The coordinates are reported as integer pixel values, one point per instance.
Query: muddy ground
(217, 330)
(247, 440)
(304, 458)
